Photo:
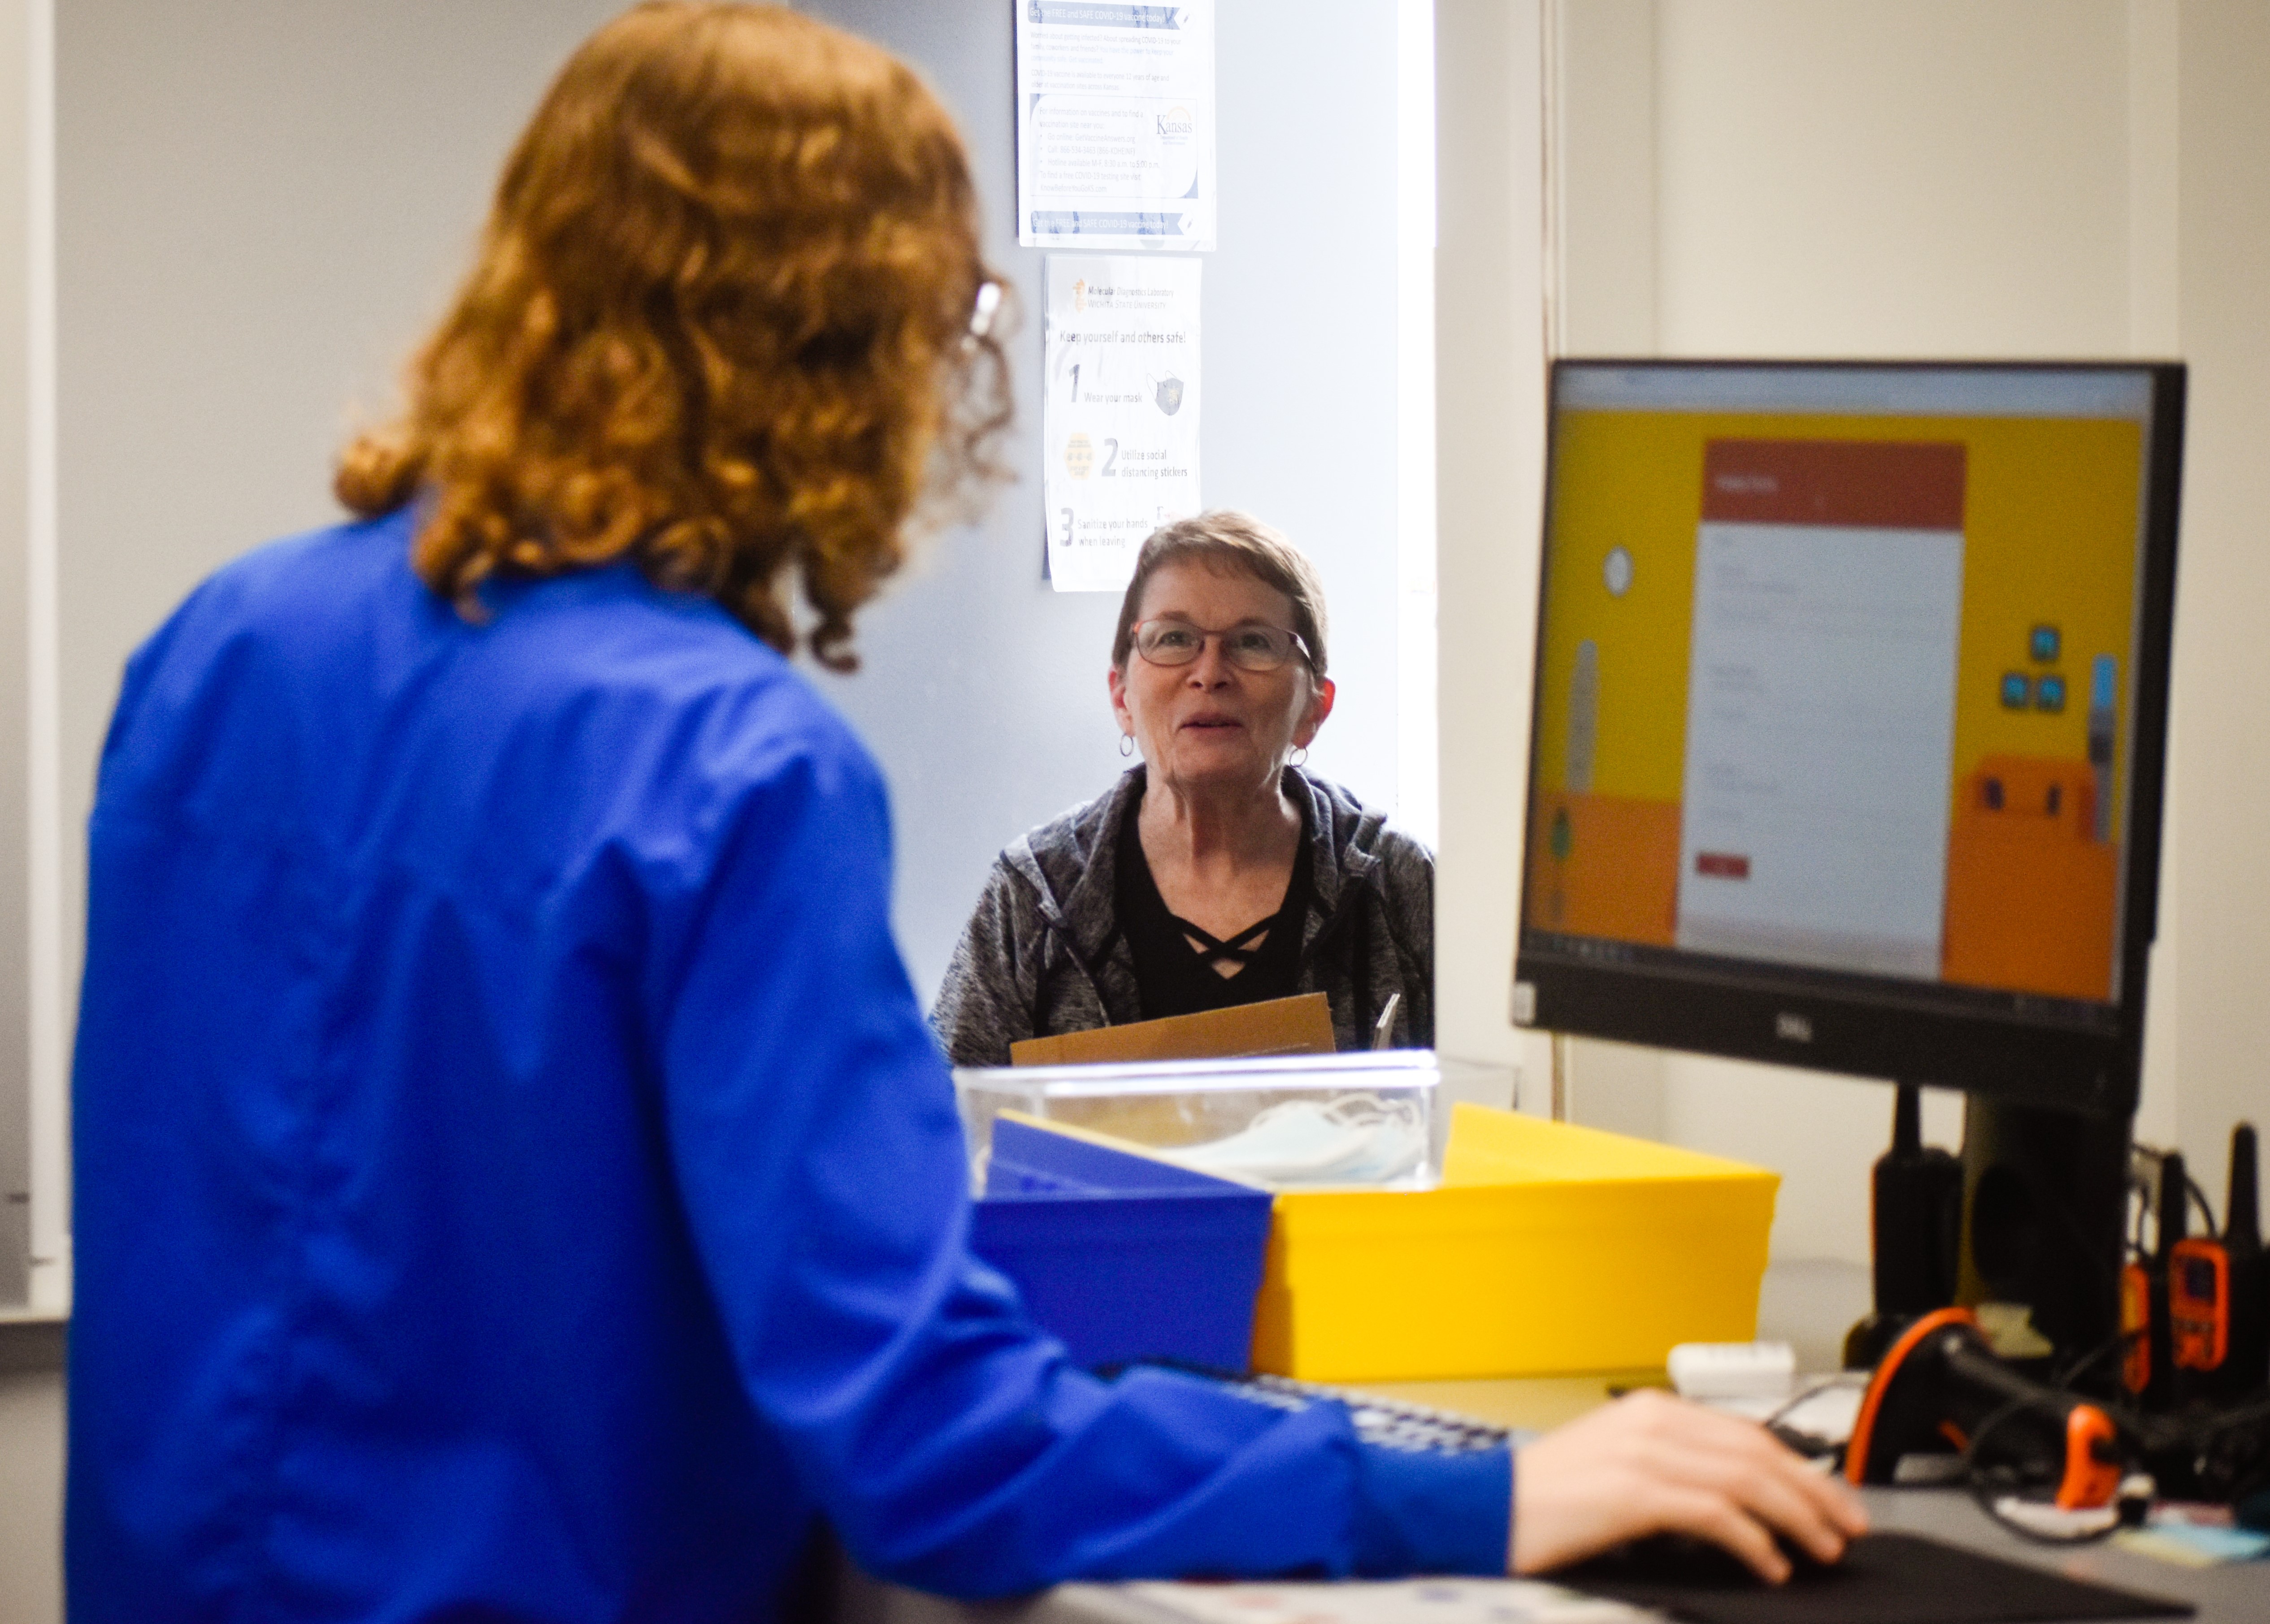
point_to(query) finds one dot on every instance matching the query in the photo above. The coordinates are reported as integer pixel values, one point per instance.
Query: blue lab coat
(514, 1178)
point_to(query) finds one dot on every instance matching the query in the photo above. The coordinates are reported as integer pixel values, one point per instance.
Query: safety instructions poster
(1115, 125)
(1119, 413)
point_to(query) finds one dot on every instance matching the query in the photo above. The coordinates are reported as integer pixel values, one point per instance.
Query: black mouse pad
(1886, 1578)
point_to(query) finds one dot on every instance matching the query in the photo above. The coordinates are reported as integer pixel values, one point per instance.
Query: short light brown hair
(719, 324)
(1230, 542)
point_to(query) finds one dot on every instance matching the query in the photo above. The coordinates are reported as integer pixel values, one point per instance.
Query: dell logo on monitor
(1793, 1028)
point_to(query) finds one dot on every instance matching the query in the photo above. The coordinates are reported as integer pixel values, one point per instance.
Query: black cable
(1984, 1481)
(1813, 1446)
(1982, 1484)
(2205, 1211)
(2140, 1434)
(2222, 1456)
(1841, 1378)
(2196, 1196)
(2199, 1430)
(2117, 1343)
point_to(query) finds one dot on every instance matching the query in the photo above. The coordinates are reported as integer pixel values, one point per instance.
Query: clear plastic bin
(1368, 1121)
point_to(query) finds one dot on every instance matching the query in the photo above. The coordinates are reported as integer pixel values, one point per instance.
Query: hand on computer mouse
(1649, 1464)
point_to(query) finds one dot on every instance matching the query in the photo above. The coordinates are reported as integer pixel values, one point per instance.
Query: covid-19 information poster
(1115, 125)
(1119, 411)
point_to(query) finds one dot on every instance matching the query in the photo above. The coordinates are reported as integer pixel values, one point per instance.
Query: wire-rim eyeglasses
(1249, 645)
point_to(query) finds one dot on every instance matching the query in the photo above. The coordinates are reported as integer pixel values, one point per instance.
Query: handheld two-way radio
(2162, 1390)
(2218, 1318)
(2195, 1317)
(2198, 1304)
(2247, 1274)
(2135, 1329)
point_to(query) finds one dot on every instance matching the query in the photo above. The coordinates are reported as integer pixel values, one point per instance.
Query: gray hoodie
(1044, 953)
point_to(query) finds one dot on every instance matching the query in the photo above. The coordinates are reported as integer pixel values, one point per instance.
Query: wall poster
(1115, 125)
(1119, 411)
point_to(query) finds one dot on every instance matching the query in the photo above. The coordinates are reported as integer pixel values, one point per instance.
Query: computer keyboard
(1385, 1422)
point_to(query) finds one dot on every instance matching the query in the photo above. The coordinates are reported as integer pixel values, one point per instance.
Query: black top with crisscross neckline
(1176, 960)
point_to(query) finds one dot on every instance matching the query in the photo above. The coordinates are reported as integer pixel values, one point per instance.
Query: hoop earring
(1126, 745)
(1300, 755)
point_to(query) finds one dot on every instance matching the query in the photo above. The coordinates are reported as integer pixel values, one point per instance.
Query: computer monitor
(1848, 716)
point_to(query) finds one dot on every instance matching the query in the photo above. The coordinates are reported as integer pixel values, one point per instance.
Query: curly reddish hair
(719, 323)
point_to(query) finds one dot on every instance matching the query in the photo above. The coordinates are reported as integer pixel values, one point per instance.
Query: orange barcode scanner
(1941, 1383)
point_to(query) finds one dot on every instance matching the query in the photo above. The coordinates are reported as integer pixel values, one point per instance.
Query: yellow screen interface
(1835, 670)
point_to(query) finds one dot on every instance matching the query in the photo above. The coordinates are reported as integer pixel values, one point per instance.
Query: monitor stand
(2044, 1215)
(2043, 1211)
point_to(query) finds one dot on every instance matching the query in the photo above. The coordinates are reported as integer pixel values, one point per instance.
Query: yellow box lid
(1489, 1147)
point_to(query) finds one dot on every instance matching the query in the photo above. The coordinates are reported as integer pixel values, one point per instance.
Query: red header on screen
(1882, 485)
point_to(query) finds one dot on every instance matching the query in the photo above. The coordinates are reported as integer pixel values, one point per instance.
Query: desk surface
(2236, 1593)
(1808, 1305)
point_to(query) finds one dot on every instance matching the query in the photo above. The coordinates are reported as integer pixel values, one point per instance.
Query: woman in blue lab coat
(516, 1181)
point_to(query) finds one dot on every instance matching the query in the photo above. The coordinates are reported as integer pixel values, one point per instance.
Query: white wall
(1939, 177)
(16, 80)
(1489, 460)
(31, 1493)
(260, 204)
(2218, 914)
(983, 689)
(1958, 178)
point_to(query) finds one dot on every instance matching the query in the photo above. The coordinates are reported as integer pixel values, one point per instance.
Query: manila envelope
(1296, 1026)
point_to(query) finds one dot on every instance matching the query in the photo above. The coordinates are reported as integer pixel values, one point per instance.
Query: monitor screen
(1849, 712)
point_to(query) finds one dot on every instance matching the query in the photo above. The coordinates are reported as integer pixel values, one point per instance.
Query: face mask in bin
(1358, 1139)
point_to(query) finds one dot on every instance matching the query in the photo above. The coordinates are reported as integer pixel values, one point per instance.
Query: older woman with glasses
(1216, 871)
